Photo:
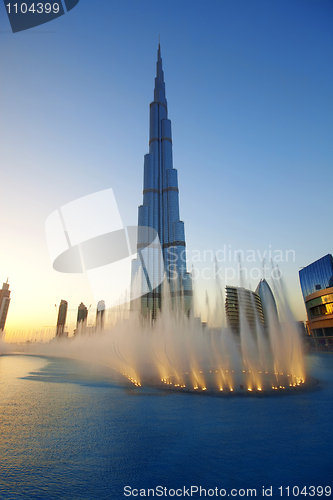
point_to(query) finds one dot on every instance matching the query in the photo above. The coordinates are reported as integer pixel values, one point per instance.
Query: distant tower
(4, 304)
(62, 314)
(100, 315)
(160, 211)
(82, 314)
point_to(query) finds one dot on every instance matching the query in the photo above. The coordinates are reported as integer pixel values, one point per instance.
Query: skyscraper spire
(160, 208)
(159, 92)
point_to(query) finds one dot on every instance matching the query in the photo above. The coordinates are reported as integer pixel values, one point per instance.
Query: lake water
(71, 430)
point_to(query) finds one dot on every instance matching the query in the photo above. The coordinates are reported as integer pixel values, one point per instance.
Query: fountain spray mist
(178, 352)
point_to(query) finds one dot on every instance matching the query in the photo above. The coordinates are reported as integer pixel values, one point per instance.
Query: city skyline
(251, 106)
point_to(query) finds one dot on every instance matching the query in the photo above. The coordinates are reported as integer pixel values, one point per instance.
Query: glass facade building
(317, 275)
(160, 211)
(317, 288)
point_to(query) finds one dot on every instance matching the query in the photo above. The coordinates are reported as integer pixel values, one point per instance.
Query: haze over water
(184, 354)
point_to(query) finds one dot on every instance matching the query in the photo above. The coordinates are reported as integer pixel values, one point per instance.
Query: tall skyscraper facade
(160, 211)
(4, 304)
(82, 314)
(62, 314)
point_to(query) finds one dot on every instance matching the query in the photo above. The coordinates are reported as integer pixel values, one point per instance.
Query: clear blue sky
(249, 86)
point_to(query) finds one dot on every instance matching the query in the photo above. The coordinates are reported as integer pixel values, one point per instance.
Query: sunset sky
(249, 89)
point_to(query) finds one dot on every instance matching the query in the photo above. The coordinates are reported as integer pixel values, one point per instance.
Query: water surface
(72, 430)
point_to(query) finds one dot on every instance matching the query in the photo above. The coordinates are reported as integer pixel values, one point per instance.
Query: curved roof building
(268, 302)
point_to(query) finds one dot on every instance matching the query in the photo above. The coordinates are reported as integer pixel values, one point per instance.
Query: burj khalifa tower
(160, 211)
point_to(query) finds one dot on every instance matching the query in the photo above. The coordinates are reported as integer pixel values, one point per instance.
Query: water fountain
(177, 352)
(181, 353)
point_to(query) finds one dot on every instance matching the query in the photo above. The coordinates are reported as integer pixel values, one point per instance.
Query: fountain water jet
(177, 352)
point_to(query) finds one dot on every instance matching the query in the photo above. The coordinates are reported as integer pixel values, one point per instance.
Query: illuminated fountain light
(176, 352)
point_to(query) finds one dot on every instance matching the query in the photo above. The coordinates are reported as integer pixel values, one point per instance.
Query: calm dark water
(70, 430)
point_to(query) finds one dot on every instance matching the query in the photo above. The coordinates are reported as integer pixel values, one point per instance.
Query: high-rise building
(242, 303)
(100, 315)
(62, 314)
(4, 304)
(160, 211)
(317, 287)
(82, 314)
